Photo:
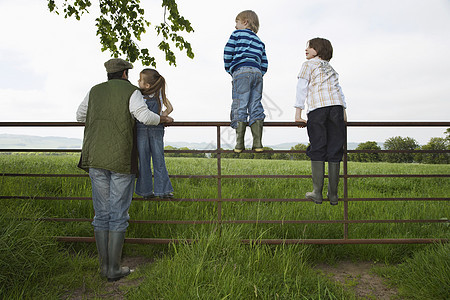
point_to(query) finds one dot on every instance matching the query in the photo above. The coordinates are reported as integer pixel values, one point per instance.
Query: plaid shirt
(318, 86)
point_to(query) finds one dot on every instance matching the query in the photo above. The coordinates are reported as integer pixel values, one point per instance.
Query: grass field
(219, 266)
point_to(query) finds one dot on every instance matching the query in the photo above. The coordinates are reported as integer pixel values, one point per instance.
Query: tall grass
(425, 275)
(32, 264)
(219, 265)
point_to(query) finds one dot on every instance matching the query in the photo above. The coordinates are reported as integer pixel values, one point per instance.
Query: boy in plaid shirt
(318, 86)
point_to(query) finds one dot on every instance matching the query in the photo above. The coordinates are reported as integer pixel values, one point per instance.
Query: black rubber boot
(240, 133)
(257, 130)
(317, 170)
(101, 240)
(333, 182)
(115, 271)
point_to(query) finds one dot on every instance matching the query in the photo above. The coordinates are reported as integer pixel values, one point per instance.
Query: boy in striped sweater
(246, 61)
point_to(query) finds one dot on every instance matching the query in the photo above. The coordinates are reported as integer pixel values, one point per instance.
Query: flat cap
(116, 65)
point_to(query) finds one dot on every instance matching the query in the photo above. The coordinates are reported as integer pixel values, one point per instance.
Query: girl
(150, 139)
(318, 86)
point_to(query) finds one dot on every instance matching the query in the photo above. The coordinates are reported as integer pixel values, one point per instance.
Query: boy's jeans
(111, 195)
(150, 144)
(247, 95)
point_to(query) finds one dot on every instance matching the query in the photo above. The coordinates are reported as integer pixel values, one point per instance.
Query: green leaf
(121, 24)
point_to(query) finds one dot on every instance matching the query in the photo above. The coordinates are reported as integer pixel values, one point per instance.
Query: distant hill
(13, 141)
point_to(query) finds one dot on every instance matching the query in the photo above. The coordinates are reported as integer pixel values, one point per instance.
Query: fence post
(219, 181)
(345, 186)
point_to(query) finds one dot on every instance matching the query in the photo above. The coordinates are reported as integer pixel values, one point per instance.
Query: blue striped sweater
(244, 48)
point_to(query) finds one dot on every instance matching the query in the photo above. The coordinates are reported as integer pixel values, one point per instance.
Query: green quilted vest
(109, 133)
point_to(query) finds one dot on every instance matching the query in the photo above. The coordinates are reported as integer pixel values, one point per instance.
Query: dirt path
(113, 290)
(357, 277)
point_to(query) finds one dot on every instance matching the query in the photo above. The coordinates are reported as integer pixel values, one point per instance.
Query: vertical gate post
(219, 181)
(345, 186)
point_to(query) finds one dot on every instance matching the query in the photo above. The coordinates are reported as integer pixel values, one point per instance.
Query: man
(109, 154)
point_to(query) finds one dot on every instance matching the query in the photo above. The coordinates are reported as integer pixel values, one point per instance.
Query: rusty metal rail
(219, 199)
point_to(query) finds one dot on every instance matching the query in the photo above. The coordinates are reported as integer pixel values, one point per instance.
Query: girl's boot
(240, 133)
(317, 170)
(115, 271)
(333, 182)
(257, 129)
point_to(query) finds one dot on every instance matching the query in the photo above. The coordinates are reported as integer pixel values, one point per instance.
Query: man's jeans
(150, 144)
(111, 194)
(247, 95)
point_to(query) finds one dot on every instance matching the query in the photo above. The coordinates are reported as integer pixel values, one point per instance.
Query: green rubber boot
(333, 182)
(115, 271)
(257, 129)
(101, 240)
(317, 170)
(240, 133)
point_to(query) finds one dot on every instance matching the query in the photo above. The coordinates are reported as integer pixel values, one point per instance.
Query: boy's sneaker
(151, 196)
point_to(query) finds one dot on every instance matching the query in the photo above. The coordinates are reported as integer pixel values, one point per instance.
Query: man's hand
(165, 119)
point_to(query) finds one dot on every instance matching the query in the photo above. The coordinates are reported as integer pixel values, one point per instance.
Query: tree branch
(121, 24)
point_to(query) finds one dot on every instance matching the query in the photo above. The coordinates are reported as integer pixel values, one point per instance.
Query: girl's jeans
(111, 195)
(247, 95)
(150, 144)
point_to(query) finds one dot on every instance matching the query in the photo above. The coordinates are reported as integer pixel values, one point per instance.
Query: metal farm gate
(345, 222)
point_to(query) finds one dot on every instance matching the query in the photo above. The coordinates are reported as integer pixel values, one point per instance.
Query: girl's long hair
(157, 84)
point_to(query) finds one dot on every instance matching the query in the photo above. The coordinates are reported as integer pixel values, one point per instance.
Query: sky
(392, 58)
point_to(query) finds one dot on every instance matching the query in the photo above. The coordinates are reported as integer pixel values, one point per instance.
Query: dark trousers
(326, 131)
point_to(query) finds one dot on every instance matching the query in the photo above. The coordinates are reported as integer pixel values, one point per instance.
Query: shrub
(435, 143)
(400, 143)
(366, 157)
(182, 154)
(300, 156)
(281, 156)
(264, 154)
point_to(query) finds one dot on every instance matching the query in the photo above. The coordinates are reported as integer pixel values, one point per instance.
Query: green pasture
(218, 266)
